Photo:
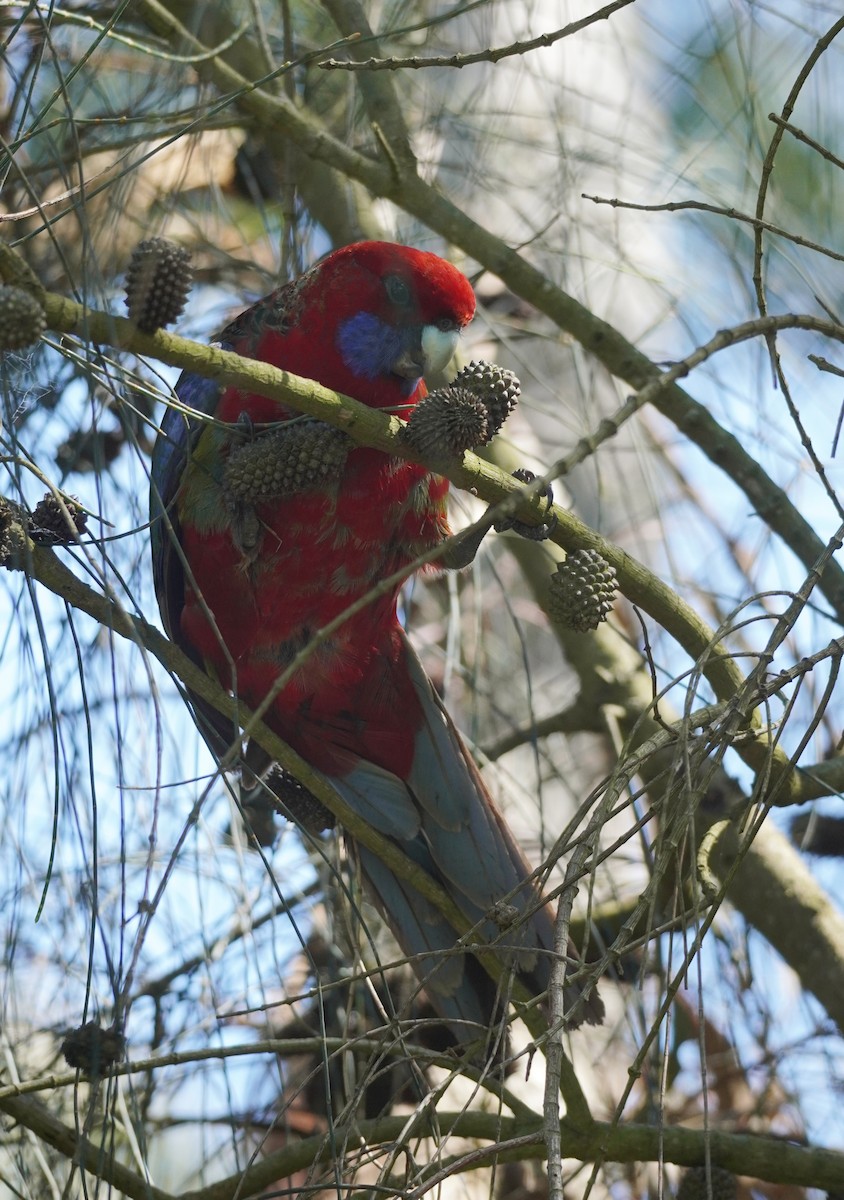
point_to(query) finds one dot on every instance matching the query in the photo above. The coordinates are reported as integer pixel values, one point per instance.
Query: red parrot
(248, 569)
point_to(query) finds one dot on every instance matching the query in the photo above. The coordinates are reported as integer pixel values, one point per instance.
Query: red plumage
(264, 578)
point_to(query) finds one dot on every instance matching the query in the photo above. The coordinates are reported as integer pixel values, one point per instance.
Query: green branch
(765, 1158)
(373, 427)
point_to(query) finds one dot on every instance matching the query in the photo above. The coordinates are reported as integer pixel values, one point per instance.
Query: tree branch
(378, 429)
(744, 1154)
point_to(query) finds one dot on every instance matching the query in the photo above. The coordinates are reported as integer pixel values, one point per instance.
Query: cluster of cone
(467, 413)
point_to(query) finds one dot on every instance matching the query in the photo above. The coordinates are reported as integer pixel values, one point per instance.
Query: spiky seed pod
(92, 1050)
(498, 388)
(582, 591)
(267, 789)
(298, 804)
(446, 423)
(283, 462)
(693, 1184)
(22, 319)
(48, 523)
(157, 283)
(16, 272)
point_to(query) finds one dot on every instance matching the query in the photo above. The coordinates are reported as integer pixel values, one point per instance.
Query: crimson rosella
(248, 572)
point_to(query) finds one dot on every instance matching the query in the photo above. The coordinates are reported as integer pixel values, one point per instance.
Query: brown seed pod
(8, 513)
(49, 525)
(693, 1185)
(286, 461)
(582, 591)
(497, 387)
(446, 423)
(22, 319)
(92, 1050)
(157, 283)
(297, 803)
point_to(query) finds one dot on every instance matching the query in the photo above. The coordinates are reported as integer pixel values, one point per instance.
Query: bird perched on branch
(267, 526)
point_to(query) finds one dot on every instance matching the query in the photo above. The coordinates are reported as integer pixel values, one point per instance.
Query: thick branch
(758, 1157)
(47, 569)
(373, 427)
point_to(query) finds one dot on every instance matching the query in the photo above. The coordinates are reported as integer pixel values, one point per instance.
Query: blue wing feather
(173, 446)
(445, 820)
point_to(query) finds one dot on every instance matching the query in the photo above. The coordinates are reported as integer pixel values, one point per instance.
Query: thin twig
(798, 133)
(821, 46)
(492, 55)
(732, 214)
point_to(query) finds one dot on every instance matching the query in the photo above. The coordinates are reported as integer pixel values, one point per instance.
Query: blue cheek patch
(369, 346)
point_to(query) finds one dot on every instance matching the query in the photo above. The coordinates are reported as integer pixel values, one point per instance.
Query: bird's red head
(395, 313)
(368, 320)
(396, 283)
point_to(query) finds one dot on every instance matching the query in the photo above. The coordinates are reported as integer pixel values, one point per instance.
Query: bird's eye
(446, 325)
(397, 290)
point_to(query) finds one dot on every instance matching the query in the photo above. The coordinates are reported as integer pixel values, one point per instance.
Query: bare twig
(732, 214)
(492, 55)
